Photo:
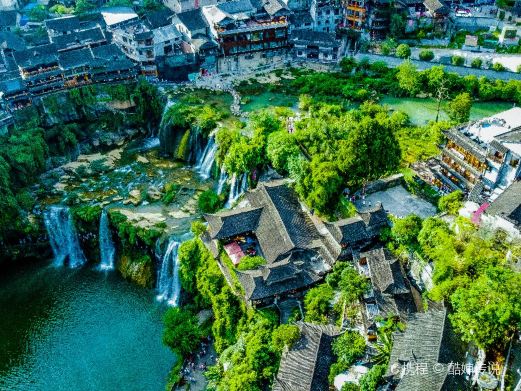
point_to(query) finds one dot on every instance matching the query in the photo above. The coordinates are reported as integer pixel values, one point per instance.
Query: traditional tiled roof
(361, 228)
(305, 367)
(272, 7)
(80, 38)
(508, 204)
(230, 223)
(8, 18)
(436, 6)
(159, 18)
(427, 341)
(348, 231)
(236, 6)
(305, 37)
(385, 271)
(300, 17)
(296, 253)
(61, 25)
(193, 20)
(39, 55)
(11, 41)
(75, 58)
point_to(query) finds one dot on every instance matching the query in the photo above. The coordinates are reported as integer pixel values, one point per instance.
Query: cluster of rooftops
(299, 250)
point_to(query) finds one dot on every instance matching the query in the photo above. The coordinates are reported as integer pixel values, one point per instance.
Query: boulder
(153, 193)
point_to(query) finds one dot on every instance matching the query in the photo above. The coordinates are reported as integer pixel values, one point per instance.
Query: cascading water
(106, 243)
(222, 180)
(63, 237)
(237, 187)
(168, 284)
(208, 158)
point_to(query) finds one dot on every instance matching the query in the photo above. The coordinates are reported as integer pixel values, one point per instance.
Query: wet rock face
(137, 269)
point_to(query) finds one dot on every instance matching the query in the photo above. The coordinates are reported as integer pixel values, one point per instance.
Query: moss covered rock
(138, 269)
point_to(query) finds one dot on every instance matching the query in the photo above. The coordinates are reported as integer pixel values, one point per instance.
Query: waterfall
(205, 164)
(237, 187)
(168, 284)
(169, 104)
(222, 180)
(63, 237)
(106, 244)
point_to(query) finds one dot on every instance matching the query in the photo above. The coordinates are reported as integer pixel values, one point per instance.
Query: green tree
(408, 78)
(370, 151)
(372, 379)
(317, 303)
(84, 6)
(352, 284)
(397, 26)
(403, 51)
(281, 147)
(349, 347)
(405, 231)
(251, 262)
(285, 336)
(488, 311)
(451, 203)
(181, 333)
(208, 201)
(459, 108)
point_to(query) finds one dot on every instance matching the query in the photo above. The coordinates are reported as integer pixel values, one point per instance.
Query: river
(79, 329)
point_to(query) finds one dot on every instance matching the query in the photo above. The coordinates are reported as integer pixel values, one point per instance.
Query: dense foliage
(182, 332)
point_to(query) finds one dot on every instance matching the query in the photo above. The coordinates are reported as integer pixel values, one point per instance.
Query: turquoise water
(75, 330)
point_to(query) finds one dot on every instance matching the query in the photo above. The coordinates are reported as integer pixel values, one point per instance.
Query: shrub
(171, 190)
(476, 63)
(403, 51)
(182, 332)
(518, 69)
(249, 262)
(426, 55)
(458, 61)
(209, 201)
(498, 67)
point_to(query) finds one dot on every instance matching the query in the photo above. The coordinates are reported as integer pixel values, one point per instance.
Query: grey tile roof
(427, 340)
(508, 204)
(319, 38)
(385, 271)
(360, 228)
(11, 41)
(67, 23)
(305, 367)
(236, 6)
(274, 7)
(75, 58)
(193, 20)
(159, 18)
(84, 37)
(232, 223)
(301, 17)
(39, 55)
(8, 18)
(289, 241)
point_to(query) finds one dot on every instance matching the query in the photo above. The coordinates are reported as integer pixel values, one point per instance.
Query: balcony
(458, 160)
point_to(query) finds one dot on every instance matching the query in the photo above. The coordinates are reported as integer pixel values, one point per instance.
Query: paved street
(463, 71)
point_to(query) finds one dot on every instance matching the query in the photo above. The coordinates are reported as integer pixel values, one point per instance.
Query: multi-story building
(483, 157)
(326, 15)
(141, 43)
(378, 19)
(355, 14)
(246, 35)
(314, 45)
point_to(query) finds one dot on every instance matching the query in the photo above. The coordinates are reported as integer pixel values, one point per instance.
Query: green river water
(75, 330)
